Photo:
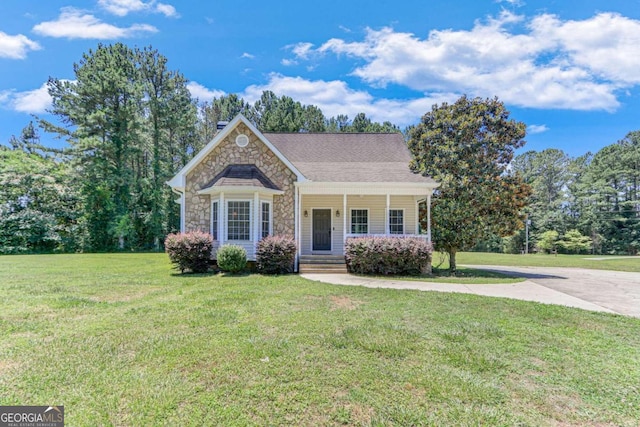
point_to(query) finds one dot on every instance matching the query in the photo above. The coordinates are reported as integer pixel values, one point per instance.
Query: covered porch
(327, 215)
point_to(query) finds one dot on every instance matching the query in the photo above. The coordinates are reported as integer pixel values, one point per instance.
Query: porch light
(306, 214)
(337, 213)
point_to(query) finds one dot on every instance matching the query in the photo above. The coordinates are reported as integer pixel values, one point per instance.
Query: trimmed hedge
(231, 258)
(388, 255)
(189, 251)
(276, 255)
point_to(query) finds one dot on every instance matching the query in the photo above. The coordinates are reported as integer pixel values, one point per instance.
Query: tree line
(584, 204)
(130, 124)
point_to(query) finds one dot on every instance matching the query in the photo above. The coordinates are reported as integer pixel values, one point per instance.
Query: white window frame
(227, 216)
(215, 210)
(404, 216)
(270, 219)
(351, 220)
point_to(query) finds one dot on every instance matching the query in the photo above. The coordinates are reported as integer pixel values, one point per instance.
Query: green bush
(276, 255)
(231, 258)
(388, 255)
(189, 251)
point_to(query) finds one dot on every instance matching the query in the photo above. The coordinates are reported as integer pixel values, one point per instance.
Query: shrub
(276, 254)
(388, 255)
(189, 251)
(231, 258)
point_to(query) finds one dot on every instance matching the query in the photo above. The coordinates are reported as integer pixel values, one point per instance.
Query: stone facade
(198, 207)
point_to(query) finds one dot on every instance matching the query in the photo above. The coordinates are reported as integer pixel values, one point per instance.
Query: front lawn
(120, 339)
(600, 262)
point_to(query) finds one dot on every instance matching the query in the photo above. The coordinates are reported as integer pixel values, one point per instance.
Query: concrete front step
(329, 264)
(322, 268)
(322, 259)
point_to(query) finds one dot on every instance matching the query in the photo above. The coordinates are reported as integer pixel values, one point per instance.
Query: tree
(547, 241)
(221, 109)
(611, 192)
(39, 203)
(273, 114)
(467, 146)
(131, 125)
(548, 174)
(574, 242)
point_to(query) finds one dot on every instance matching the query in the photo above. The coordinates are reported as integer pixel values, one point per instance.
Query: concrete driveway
(619, 291)
(596, 290)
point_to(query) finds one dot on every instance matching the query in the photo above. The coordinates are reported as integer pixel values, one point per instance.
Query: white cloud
(541, 62)
(533, 129)
(335, 97)
(76, 24)
(16, 47)
(5, 95)
(202, 93)
(247, 55)
(167, 10)
(124, 7)
(31, 101)
(606, 45)
(301, 50)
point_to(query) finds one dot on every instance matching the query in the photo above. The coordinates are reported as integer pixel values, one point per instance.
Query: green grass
(464, 275)
(120, 339)
(629, 263)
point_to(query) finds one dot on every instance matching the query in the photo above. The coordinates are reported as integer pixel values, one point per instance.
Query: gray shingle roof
(348, 157)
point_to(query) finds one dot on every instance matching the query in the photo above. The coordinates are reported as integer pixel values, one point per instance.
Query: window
(239, 220)
(214, 220)
(359, 221)
(396, 221)
(265, 219)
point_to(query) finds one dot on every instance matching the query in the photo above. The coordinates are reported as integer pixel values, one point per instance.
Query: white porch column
(297, 224)
(344, 220)
(222, 233)
(429, 217)
(386, 218)
(183, 211)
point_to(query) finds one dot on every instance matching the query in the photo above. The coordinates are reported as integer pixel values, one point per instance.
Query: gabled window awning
(241, 179)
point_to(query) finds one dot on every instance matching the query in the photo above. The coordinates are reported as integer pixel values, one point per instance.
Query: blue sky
(569, 69)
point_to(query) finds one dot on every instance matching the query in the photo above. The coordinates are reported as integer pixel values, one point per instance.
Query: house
(318, 187)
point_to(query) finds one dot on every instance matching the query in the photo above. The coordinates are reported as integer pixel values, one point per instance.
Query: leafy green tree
(39, 204)
(574, 242)
(467, 146)
(547, 241)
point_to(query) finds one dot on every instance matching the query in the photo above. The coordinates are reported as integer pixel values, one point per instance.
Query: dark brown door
(322, 229)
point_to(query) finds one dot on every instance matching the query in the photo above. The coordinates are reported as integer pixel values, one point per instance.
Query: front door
(321, 229)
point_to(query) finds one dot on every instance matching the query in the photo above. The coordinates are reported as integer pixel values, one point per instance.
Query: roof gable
(179, 180)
